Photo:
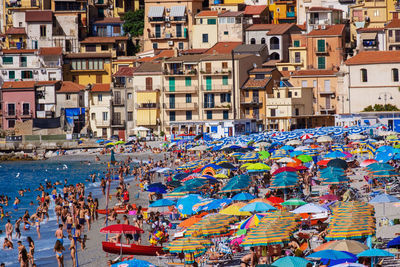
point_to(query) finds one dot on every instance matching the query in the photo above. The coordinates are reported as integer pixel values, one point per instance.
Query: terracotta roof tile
(261, 70)
(231, 14)
(50, 51)
(98, 39)
(222, 48)
(70, 87)
(193, 51)
(101, 87)
(165, 53)
(313, 72)
(18, 85)
(39, 83)
(302, 27)
(39, 16)
(374, 57)
(360, 30)
(393, 24)
(254, 10)
(145, 59)
(273, 29)
(285, 73)
(108, 21)
(320, 8)
(334, 30)
(148, 67)
(256, 83)
(18, 51)
(124, 72)
(88, 55)
(15, 30)
(207, 13)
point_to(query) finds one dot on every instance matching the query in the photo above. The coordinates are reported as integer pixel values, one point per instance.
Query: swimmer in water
(16, 202)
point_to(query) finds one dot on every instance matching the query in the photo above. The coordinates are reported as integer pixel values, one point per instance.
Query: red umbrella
(367, 162)
(301, 168)
(329, 197)
(275, 200)
(121, 228)
(284, 169)
(323, 162)
(197, 170)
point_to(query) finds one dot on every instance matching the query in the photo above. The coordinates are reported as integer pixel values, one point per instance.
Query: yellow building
(16, 38)
(283, 11)
(147, 85)
(289, 107)
(114, 45)
(205, 30)
(297, 54)
(87, 68)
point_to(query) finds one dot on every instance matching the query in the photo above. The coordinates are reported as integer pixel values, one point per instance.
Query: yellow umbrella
(221, 176)
(234, 209)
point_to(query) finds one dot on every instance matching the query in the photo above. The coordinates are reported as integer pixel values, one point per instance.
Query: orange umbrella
(294, 164)
(190, 221)
(314, 146)
(261, 200)
(323, 162)
(323, 246)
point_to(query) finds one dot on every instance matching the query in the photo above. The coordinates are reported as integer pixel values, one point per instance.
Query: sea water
(21, 175)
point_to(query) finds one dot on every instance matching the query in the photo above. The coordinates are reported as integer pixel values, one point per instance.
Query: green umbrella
(119, 142)
(305, 158)
(264, 154)
(385, 174)
(294, 202)
(258, 167)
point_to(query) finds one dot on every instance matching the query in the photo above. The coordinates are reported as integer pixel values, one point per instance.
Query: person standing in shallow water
(58, 249)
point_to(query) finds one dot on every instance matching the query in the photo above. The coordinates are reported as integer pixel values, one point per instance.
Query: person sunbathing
(249, 259)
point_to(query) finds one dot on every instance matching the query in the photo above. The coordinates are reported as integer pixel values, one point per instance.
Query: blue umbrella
(394, 243)
(243, 196)
(296, 153)
(185, 204)
(290, 261)
(100, 141)
(384, 198)
(157, 188)
(133, 263)
(335, 154)
(162, 203)
(107, 141)
(384, 157)
(287, 148)
(330, 254)
(374, 252)
(257, 207)
(217, 204)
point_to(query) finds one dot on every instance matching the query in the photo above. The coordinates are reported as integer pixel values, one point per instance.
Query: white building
(100, 110)
(373, 78)
(46, 98)
(304, 5)
(371, 39)
(39, 28)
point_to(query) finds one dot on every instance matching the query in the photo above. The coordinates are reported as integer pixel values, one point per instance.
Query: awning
(177, 11)
(156, 12)
(368, 35)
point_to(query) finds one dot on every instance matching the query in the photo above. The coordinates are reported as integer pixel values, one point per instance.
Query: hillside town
(105, 68)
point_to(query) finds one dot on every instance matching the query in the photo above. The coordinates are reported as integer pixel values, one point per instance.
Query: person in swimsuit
(37, 224)
(16, 227)
(31, 252)
(9, 230)
(72, 249)
(58, 249)
(16, 202)
(59, 234)
(7, 244)
(69, 222)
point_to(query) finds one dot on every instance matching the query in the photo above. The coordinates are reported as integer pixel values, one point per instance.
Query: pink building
(18, 102)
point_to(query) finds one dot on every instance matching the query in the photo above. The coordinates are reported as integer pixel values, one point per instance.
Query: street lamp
(385, 97)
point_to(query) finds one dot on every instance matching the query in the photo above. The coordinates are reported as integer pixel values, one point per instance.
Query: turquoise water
(20, 175)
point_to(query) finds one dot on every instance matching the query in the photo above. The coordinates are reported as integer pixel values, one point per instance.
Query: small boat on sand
(131, 249)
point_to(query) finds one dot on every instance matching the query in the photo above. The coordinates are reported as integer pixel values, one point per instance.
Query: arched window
(252, 41)
(364, 75)
(274, 56)
(262, 40)
(395, 75)
(274, 43)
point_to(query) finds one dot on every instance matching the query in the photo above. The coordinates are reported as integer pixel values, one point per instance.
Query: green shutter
(11, 74)
(224, 80)
(321, 63)
(321, 45)
(296, 43)
(172, 84)
(211, 21)
(208, 83)
(188, 81)
(7, 60)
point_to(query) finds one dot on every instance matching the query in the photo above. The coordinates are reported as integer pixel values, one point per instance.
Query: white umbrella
(261, 144)
(285, 160)
(140, 128)
(293, 143)
(309, 208)
(324, 139)
(356, 137)
(198, 148)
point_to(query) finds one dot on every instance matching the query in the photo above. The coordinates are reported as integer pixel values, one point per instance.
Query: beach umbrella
(375, 167)
(287, 148)
(284, 169)
(264, 154)
(296, 153)
(339, 163)
(216, 204)
(190, 221)
(283, 182)
(174, 184)
(285, 160)
(301, 168)
(243, 196)
(294, 202)
(185, 245)
(185, 204)
(394, 243)
(335, 180)
(293, 143)
(367, 162)
(309, 208)
(324, 139)
(221, 176)
(329, 197)
(356, 137)
(307, 136)
(133, 263)
(335, 154)
(384, 198)
(226, 165)
(375, 253)
(100, 141)
(258, 167)
(278, 154)
(250, 156)
(330, 254)
(257, 207)
(275, 200)
(162, 203)
(252, 221)
(323, 162)
(305, 158)
(351, 246)
(121, 228)
(234, 209)
(290, 261)
(384, 157)
(349, 264)
(158, 188)
(383, 174)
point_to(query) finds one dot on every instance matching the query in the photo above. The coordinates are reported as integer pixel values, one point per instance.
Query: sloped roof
(50, 51)
(222, 48)
(101, 87)
(256, 83)
(70, 87)
(333, 30)
(254, 10)
(273, 29)
(39, 16)
(15, 30)
(18, 51)
(207, 13)
(99, 39)
(124, 72)
(374, 57)
(18, 85)
(148, 67)
(313, 72)
(88, 55)
(249, 48)
(395, 23)
(231, 14)
(109, 20)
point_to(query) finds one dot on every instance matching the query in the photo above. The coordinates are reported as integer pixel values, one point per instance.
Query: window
(130, 95)
(252, 41)
(188, 98)
(117, 29)
(226, 98)
(93, 116)
(304, 83)
(11, 109)
(246, 94)
(327, 85)
(188, 81)
(273, 112)
(11, 123)
(247, 111)
(149, 83)
(225, 115)
(395, 75)
(130, 116)
(259, 76)
(155, 45)
(181, 46)
(321, 45)
(205, 38)
(188, 115)
(224, 80)
(274, 43)
(263, 40)
(11, 74)
(43, 30)
(209, 115)
(296, 43)
(226, 33)
(26, 74)
(99, 97)
(68, 96)
(296, 112)
(390, 33)
(397, 36)
(26, 108)
(103, 48)
(90, 48)
(172, 116)
(105, 116)
(35, 44)
(321, 63)
(224, 65)
(364, 75)
(278, 95)
(211, 21)
(8, 60)
(289, 94)
(297, 57)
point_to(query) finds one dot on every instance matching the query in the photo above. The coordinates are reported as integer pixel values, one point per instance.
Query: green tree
(379, 108)
(134, 22)
(368, 109)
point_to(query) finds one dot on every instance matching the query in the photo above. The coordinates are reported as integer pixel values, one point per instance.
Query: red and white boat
(131, 249)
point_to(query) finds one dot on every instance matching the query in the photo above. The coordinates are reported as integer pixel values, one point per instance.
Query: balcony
(321, 51)
(118, 102)
(326, 93)
(105, 123)
(10, 114)
(327, 110)
(212, 106)
(157, 20)
(226, 71)
(179, 72)
(18, 5)
(255, 101)
(147, 106)
(180, 106)
(180, 90)
(17, 45)
(214, 89)
(117, 123)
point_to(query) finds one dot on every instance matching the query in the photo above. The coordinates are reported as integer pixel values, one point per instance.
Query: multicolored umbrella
(250, 156)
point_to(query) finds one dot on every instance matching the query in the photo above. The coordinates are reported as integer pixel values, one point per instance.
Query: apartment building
(205, 30)
(100, 103)
(392, 34)
(371, 39)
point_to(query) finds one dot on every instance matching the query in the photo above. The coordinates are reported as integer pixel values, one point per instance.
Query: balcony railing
(212, 105)
(180, 106)
(118, 102)
(217, 89)
(147, 106)
(25, 114)
(223, 71)
(117, 123)
(180, 89)
(180, 72)
(251, 101)
(102, 123)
